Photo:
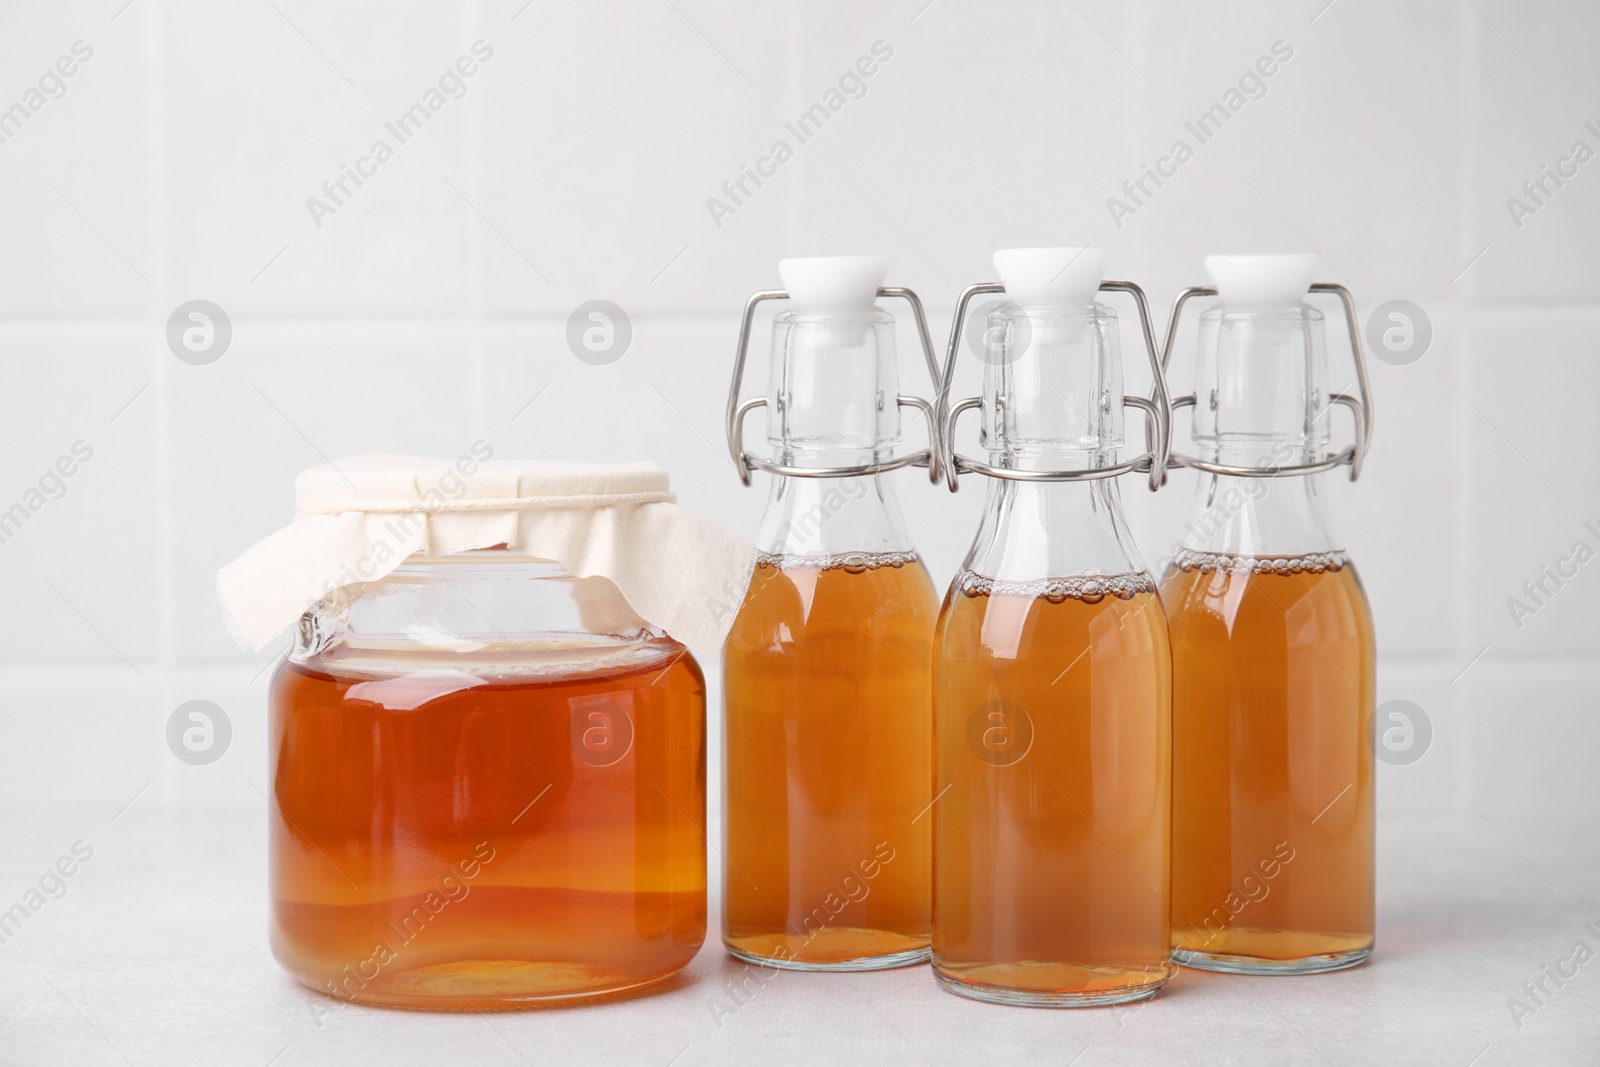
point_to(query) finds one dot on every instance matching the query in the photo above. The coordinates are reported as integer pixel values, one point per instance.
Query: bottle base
(888, 961)
(1044, 998)
(1223, 964)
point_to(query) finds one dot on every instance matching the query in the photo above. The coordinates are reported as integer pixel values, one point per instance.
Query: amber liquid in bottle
(1273, 661)
(1053, 743)
(452, 841)
(828, 691)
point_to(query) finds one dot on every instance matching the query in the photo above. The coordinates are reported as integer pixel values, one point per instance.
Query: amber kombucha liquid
(1273, 663)
(1053, 743)
(447, 840)
(829, 755)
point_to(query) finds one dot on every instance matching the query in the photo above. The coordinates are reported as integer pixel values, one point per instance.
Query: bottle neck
(1261, 402)
(1261, 389)
(1052, 401)
(1040, 530)
(831, 404)
(823, 519)
(832, 388)
(1260, 517)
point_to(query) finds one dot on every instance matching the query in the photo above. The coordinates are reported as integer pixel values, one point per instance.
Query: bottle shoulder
(833, 517)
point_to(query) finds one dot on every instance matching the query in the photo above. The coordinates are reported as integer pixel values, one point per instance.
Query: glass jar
(488, 789)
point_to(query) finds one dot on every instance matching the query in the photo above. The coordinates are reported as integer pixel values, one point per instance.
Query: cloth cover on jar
(358, 519)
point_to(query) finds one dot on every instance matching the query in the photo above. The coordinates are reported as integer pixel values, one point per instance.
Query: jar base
(1319, 964)
(888, 961)
(1041, 998)
(467, 990)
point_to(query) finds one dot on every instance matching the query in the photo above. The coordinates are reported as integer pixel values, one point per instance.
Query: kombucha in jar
(477, 800)
(1052, 684)
(828, 667)
(1273, 654)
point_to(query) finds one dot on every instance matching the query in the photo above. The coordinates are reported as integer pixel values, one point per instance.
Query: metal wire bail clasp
(737, 410)
(1360, 407)
(1157, 409)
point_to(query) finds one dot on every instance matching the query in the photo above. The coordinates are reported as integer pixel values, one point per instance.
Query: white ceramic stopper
(833, 283)
(1052, 275)
(1261, 281)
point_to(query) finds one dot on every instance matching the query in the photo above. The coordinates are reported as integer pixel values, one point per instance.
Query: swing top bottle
(828, 740)
(1052, 681)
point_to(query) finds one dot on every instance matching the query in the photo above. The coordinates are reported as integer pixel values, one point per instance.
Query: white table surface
(157, 955)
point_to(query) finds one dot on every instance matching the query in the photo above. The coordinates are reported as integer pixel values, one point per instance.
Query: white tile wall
(78, 228)
(429, 310)
(78, 574)
(250, 134)
(605, 129)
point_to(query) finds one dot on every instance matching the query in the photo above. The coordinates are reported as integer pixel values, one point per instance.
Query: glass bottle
(488, 783)
(827, 668)
(1272, 645)
(1052, 669)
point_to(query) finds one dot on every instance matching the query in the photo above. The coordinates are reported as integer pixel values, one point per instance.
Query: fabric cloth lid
(360, 518)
